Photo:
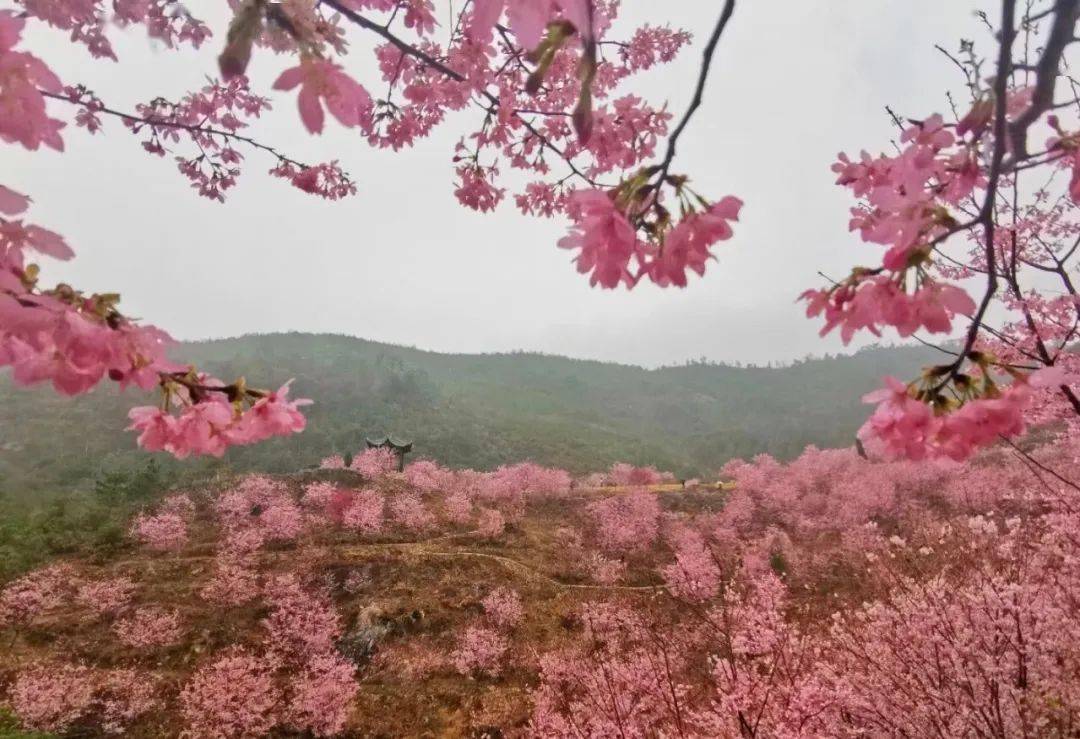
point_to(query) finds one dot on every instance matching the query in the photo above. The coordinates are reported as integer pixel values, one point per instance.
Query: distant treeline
(464, 410)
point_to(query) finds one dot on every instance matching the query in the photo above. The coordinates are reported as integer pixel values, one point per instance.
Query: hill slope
(467, 410)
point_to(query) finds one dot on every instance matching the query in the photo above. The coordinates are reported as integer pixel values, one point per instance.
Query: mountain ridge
(470, 410)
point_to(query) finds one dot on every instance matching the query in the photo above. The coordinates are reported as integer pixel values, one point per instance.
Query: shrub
(490, 524)
(52, 697)
(503, 608)
(365, 512)
(106, 597)
(162, 532)
(320, 696)
(233, 696)
(374, 463)
(408, 511)
(36, 593)
(301, 624)
(480, 650)
(625, 523)
(149, 627)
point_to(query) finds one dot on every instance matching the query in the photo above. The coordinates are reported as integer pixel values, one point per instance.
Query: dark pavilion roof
(390, 441)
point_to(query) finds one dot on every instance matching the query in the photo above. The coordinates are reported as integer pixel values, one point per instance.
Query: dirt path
(422, 548)
(521, 567)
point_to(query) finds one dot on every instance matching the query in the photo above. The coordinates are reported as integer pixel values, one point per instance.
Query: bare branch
(699, 89)
(1046, 71)
(163, 123)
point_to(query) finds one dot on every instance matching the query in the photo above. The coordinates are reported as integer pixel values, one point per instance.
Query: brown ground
(419, 592)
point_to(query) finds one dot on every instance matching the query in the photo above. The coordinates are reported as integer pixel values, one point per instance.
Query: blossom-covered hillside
(467, 410)
(833, 596)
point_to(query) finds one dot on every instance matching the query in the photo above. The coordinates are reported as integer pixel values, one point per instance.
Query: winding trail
(422, 548)
(521, 567)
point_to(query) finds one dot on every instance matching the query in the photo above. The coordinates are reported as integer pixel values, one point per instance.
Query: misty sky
(403, 262)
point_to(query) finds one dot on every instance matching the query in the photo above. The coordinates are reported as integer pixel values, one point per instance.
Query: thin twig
(699, 89)
(152, 121)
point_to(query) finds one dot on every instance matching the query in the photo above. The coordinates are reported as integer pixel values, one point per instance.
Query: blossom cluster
(611, 252)
(297, 681)
(884, 604)
(54, 696)
(163, 532)
(483, 645)
(73, 340)
(209, 423)
(912, 203)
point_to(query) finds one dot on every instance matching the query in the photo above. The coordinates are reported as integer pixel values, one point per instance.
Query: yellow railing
(667, 487)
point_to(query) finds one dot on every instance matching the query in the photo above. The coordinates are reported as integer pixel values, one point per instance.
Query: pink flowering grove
(832, 594)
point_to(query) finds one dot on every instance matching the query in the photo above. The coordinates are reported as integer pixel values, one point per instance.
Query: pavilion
(400, 448)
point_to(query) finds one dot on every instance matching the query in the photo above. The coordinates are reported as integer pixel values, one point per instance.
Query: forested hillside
(464, 410)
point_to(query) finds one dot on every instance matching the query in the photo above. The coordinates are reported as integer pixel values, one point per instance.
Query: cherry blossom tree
(974, 199)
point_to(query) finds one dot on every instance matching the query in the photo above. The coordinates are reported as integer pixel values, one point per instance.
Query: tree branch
(699, 89)
(202, 130)
(986, 213)
(402, 45)
(1046, 73)
(430, 61)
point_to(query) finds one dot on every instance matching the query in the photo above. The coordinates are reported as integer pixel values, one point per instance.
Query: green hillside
(70, 476)
(465, 410)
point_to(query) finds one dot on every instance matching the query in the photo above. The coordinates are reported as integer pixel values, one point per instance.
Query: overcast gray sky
(403, 262)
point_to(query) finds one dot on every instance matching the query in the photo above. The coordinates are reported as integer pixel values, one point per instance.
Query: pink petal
(311, 112)
(485, 15)
(528, 20)
(1050, 377)
(727, 207)
(957, 300)
(49, 242)
(289, 79)
(12, 202)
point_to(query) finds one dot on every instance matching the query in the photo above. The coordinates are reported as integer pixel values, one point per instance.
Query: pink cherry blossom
(903, 426)
(36, 594)
(480, 650)
(12, 202)
(626, 522)
(51, 697)
(475, 189)
(409, 512)
(375, 462)
(606, 239)
(273, 415)
(106, 597)
(234, 582)
(490, 523)
(325, 83)
(503, 608)
(233, 695)
(365, 512)
(877, 301)
(319, 699)
(163, 532)
(694, 575)
(149, 627)
(687, 245)
(23, 77)
(303, 623)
